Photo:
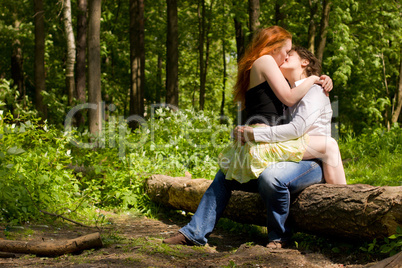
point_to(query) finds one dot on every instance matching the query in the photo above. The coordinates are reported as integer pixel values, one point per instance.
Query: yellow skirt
(246, 162)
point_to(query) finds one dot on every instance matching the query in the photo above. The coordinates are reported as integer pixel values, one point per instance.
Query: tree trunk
(204, 29)
(390, 262)
(397, 110)
(160, 90)
(355, 211)
(323, 29)
(349, 211)
(94, 66)
(208, 42)
(222, 115)
(253, 16)
(201, 34)
(81, 58)
(137, 59)
(312, 26)
(52, 248)
(40, 77)
(279, 16)
(387, 119)
(70, 60)
(239, 39)
(172, 62)
(159, 80)
(17, 73)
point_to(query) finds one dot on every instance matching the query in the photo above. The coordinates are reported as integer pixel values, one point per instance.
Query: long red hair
(264, 42)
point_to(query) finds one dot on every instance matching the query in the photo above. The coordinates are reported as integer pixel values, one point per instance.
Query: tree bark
(387, 119)
(159, 80)
(17, 73)
(137, 59)
(52, 248)
(161, 88)
(390, 262)
(40, 76)
(253, 16)
(312, 26)
(172, 62)
(81, 58)
(349, 211)
(7, 255)
(323, 29)
(225, 76)
(280, 17)
(201, 34)
(239, 39)
(94, 66)
(71, 51)
(397, 110)
(204, 20)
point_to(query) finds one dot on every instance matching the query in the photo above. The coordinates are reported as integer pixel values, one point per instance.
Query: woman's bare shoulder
(263, 60)
(260, 66)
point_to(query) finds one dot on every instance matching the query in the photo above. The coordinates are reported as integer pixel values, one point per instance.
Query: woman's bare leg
(326, 148)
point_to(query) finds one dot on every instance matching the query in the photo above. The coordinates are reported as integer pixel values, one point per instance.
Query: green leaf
(15, 150)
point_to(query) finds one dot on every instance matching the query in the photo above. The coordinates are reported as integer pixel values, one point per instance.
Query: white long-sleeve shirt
(311, 115)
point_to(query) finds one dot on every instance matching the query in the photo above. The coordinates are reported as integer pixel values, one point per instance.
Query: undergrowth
(72, 174)
(374, 157)
(67, 173)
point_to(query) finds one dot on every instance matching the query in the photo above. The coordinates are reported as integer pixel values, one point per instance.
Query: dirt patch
(136, 241)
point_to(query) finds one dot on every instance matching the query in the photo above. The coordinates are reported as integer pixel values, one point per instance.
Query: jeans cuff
(192, 240)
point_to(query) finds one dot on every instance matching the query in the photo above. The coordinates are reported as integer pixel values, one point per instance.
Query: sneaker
(277, 244)
(178, 239)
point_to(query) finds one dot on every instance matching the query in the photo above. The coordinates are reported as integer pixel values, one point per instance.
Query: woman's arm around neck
(266, 69)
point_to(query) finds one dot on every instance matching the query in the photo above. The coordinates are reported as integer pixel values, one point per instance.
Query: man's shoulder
(316, 91)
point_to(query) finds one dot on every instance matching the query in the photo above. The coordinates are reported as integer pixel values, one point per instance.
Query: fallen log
(52, 248)
(7, 255)
(391, 262)
(350, 211)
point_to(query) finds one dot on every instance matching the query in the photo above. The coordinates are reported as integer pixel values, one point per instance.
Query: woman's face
(294, 66)
(293, 61)
(281, 54)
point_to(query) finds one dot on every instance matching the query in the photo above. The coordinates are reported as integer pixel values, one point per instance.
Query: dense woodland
(135, 53)
(93, 64)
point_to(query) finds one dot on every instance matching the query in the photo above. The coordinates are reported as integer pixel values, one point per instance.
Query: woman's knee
(268, 181)
(332, 146)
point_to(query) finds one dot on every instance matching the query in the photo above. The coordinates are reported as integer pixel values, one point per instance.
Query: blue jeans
(275, 185)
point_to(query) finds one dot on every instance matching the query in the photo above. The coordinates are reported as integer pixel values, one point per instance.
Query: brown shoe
(178, 239)
(276, 244)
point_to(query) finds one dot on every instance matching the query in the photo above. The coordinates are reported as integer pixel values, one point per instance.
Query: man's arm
(308, 110)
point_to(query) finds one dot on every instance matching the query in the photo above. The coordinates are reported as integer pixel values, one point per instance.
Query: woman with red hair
(263, 92)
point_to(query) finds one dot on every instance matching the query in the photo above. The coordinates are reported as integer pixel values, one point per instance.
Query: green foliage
(373, 157)
(231, 264)
(321, 244)
(390, 246)
(393, 244)
(362, 53)
(184, 140)
(37, 160)
(169, 143)
(33, 159)
(11, 101)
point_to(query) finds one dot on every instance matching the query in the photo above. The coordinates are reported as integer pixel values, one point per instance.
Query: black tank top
(262, 106)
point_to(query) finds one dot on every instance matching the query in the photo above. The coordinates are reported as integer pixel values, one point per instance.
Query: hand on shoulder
(326, 83)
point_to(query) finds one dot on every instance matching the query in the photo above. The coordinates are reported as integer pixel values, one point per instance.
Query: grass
(373, 158)
(383, 172)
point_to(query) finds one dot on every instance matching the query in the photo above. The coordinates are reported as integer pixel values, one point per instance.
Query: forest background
(73, 72)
